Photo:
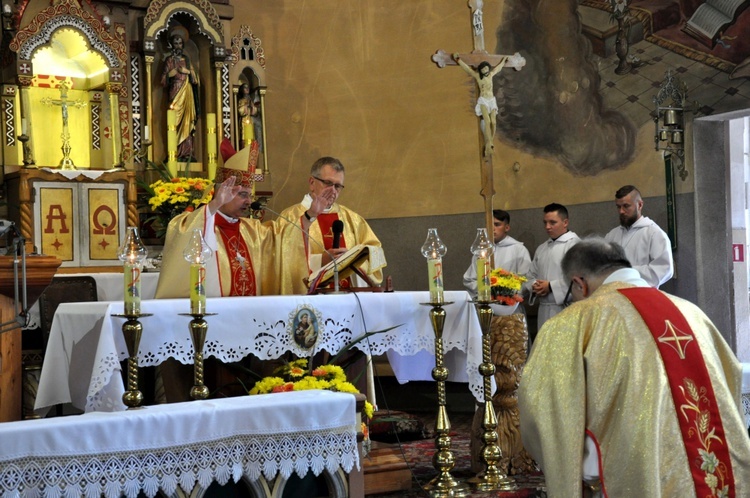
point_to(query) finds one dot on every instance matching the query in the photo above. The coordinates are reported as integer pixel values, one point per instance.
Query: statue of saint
(181, 80)
(486, 107)
(247, 110)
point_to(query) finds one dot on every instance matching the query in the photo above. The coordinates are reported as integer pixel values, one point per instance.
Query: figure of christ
(486, 107)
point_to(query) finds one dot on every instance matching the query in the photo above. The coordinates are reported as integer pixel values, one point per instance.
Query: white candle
(146, 134)
(23, 126)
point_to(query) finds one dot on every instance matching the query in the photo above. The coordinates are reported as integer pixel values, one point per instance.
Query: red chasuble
(692, 392)
(238, 258)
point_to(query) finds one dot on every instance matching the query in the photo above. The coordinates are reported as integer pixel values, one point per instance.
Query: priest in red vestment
(631, 391)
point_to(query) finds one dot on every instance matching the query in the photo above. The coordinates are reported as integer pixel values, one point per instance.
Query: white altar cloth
(86, 345)
(179, 444)
(110, 286)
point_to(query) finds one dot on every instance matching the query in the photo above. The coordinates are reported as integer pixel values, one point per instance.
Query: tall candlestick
(211, 144)
(198, 288)
(247, 134)
(172, 142)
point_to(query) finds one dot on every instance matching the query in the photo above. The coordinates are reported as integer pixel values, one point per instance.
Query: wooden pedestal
(385, 469)
(10, 365)
(39, 273)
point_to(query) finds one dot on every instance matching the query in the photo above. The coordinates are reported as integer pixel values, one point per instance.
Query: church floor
(419, 400)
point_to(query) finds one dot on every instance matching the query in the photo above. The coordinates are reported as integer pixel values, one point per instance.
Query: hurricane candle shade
(433, 249)
(481, 249)
(197, 253)
(132, 252)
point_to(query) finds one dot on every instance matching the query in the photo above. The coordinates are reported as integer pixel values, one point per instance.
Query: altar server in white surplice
(646, 245)
(510, 254)
(545, 279)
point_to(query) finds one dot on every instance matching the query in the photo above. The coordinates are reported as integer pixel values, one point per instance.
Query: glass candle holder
(482, 250)
(197, 253)
(433, 249)
(132, 252)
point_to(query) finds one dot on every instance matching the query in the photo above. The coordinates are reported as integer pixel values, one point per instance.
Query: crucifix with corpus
(482, 66)
(66, 162)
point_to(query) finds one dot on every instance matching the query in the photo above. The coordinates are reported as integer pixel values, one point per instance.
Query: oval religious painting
(305, 328)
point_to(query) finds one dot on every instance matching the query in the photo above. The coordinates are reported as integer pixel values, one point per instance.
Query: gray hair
(334, 163)
(593, 257)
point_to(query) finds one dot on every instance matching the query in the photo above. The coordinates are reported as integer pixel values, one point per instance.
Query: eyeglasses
(568, 296)
(329, 183)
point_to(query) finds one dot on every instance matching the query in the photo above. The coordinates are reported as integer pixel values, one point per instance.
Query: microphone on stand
(257, 205)
(337, 228)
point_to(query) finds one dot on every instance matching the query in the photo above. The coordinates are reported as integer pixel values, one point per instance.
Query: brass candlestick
(198, 330)
(492, 478)
(444, 485)
(132, 330)
(28, 156)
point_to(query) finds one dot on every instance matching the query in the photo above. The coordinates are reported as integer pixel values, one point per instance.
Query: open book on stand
(350, 262)
(711, 17)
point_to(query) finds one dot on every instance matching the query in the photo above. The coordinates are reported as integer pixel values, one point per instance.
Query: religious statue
(248, 110)
(181, 80)
(486, 107)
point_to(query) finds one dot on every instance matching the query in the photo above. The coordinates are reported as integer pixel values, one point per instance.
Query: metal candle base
(492, 478)
(444, 485)
(198, 330)
(131, 331)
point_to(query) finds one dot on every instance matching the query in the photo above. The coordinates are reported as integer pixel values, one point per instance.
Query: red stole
(238, 256)
(692, 392)
(325, 222)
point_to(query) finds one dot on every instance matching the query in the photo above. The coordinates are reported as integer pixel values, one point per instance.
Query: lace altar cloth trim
(746, 406)
(128, 472)
(264, 333)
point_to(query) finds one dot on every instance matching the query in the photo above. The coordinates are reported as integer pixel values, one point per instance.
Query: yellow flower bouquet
(168, 197)
(505, 286)
(295, 376)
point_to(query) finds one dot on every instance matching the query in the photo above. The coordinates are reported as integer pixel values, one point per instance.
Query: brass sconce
(669, 120)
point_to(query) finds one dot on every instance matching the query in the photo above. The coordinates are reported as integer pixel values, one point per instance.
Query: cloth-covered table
(183, 445)
(86, 344)
(109, 287)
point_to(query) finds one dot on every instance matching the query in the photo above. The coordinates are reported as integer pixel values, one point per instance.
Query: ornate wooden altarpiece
(96, 69)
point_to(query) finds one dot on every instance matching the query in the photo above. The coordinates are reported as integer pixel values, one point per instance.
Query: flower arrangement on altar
(170, 196)
(295, 376)
(505, 286)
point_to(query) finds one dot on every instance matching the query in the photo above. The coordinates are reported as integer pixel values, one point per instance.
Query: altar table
(182, 446)
(86, 345)
(109, 287)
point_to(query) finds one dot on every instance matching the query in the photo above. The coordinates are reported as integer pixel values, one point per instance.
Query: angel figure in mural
(181, 80)
(486, 107)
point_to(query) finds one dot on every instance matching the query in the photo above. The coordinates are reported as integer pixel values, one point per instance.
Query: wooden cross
(66, 162)
(473, 60)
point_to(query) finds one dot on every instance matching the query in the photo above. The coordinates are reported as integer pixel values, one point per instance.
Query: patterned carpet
(418, 454)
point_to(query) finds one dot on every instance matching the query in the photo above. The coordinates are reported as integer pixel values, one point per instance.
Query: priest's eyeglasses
(329, 183)
(568, 296)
